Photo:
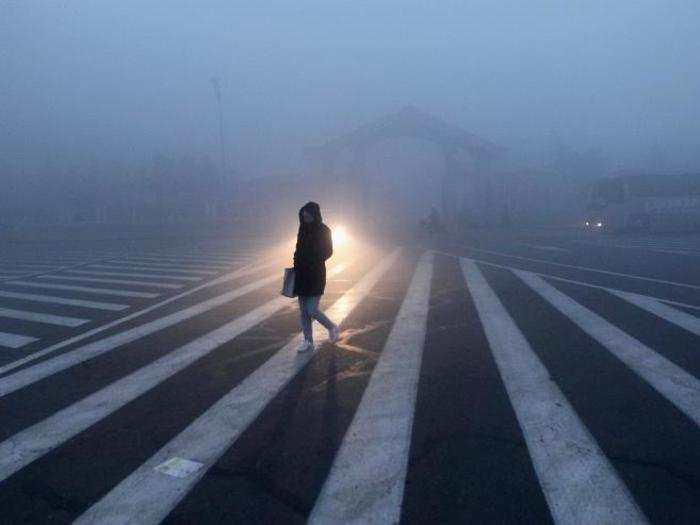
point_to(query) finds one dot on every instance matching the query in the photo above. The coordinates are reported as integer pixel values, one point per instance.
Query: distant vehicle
(644, 203)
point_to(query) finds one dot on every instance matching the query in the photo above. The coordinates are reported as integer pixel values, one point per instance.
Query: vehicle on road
(644, 203)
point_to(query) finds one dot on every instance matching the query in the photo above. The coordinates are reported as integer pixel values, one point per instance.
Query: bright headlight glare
(340, 235)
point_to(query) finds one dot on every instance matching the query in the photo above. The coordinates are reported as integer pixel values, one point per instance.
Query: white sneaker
(306, 346)
(334, 334)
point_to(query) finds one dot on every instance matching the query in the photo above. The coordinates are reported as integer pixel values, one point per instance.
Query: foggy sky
(106, 81)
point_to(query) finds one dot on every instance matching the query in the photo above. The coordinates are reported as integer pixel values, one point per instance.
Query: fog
(566, 88)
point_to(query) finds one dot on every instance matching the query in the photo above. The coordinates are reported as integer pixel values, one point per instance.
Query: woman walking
(314, 246)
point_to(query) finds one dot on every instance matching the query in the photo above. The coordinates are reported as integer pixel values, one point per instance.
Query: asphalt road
(527, 377)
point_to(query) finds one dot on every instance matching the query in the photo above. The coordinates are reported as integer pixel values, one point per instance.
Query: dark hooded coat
(314, 246)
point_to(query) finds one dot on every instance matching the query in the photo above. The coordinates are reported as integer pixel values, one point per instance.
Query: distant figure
(433, 224)
(314, 247)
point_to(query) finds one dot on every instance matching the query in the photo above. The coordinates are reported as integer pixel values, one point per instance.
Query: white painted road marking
(574, 281)
(171, 261)
(15, 340)
(37, 317)
(146, 497)
(30, 375)
(128, 282)
(674, 249)
(547, 248)
(134, 274)
(579, 484)
(36, 273)
(659, 309)
(366, 481)
(86, 289)
(16, 264)
(168, 265)
(30, 444)
(671, 381)
(147, 269)
(63, 300)
(241, 272)
(182, 257)
(577, 267)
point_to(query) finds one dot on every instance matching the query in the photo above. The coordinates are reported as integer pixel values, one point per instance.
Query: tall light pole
(216, 83)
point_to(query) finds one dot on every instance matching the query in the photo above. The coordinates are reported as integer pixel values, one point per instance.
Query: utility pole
(216, 83)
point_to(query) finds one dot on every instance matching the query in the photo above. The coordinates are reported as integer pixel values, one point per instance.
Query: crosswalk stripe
(128, 282)
(578, 267)
(236, 274)
(179, 261)
(25, 271)
(150, 270)
(37, 317)
(548, 276)
(194, 258)
(28, 445)
(657, 249)
(659, 309)
(74, 260)
(147, 495)
(671, 381)
(544, 247)
(366, 481)
(615, 245)
(672, 248)
(134, 274)
(63, 300)
(46, 368)
(87, 289)
(20, 264)
(578, 482)
(173, 265)
(15, 340)
(28, 264)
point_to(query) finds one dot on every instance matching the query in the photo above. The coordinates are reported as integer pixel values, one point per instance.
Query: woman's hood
(314, 209)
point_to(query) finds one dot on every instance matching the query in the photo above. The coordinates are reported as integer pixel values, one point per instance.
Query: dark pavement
(558, 381)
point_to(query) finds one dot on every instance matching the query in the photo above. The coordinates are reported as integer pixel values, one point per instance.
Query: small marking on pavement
(179, 467)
